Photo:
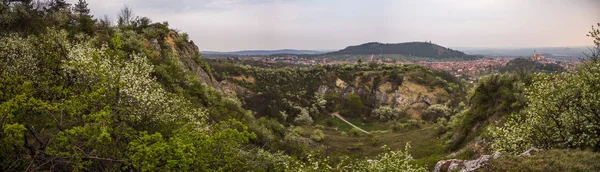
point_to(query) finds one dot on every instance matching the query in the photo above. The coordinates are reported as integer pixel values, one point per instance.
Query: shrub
(317, 135)
(356, 146)
(403, 125)
(303, 118)
(353, 106)
(320, 127)
(299, 131)
(442, 125)
(433, 112)
(329, 122)
(374, 140)
(272, 125)
(386, 113)
(355, 132)
(562, 113)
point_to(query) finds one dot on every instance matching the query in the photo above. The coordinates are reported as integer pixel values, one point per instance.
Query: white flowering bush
(386, 113)
(563, 112)
(98, 69)
(18, 56)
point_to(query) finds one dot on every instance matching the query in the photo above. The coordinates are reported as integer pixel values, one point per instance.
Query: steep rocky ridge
(188, 54)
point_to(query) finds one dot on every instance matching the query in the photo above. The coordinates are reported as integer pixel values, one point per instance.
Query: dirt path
(336, 114)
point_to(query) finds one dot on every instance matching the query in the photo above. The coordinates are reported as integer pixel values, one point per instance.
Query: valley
(79, 92)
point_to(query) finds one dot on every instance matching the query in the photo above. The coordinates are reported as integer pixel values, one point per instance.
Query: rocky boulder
(473, 165)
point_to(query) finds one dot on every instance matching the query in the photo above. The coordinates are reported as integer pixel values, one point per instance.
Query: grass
(425, 147)
(550, 160)
(342, 126)
(370, 126)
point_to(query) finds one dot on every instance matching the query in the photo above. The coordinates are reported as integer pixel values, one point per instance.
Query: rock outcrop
(473, 165)
(384, 94)
(464, 165)
(188, 54)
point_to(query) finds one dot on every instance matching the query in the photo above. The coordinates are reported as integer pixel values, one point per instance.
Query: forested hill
(419, 49)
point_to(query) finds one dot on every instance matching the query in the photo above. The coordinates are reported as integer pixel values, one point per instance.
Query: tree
(303, 118)
(563, 112)
(353, 106)
(125, 17)
(58, 5)
(81, 8)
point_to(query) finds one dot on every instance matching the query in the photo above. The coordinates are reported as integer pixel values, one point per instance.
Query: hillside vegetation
(415, 49)
(84, 94)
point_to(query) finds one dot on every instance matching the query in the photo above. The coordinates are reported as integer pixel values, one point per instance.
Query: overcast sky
(226, 25)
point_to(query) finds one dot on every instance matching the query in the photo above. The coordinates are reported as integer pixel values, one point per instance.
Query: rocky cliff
(188, 54)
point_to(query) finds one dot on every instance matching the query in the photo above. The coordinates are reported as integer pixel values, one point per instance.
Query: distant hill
(418, 49)
(266, 52)
(526, 64)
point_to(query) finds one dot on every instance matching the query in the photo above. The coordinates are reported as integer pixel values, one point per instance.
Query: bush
(374, 140)
(404, 125)
(353, 106)
(320, 127)
(433, 112)
(329, 122)
(386, 113)
(355, 132)
(356, 146)
(272, 125)
(441, 125)
(299, 131)
(303, 118)
(562, 113)
(317, 135)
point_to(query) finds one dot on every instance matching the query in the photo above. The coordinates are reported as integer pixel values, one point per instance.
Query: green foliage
(419, 49)
(435, 112)
(527, 65)
(386, 113)
(353, 106)
(67, 104)
(320, 127)
(303, 118)
(317, 135)
(388, 161)
(355, 132)
(550, 160)
(495, 96)
(403, 125)
(191, 149)
(562, 112)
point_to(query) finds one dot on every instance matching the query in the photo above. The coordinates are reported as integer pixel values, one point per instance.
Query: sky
(228, 25)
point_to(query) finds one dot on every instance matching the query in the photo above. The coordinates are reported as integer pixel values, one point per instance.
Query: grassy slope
(425, 146)
(551, 160)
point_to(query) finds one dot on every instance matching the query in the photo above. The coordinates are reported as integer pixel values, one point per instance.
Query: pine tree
(81, 8)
